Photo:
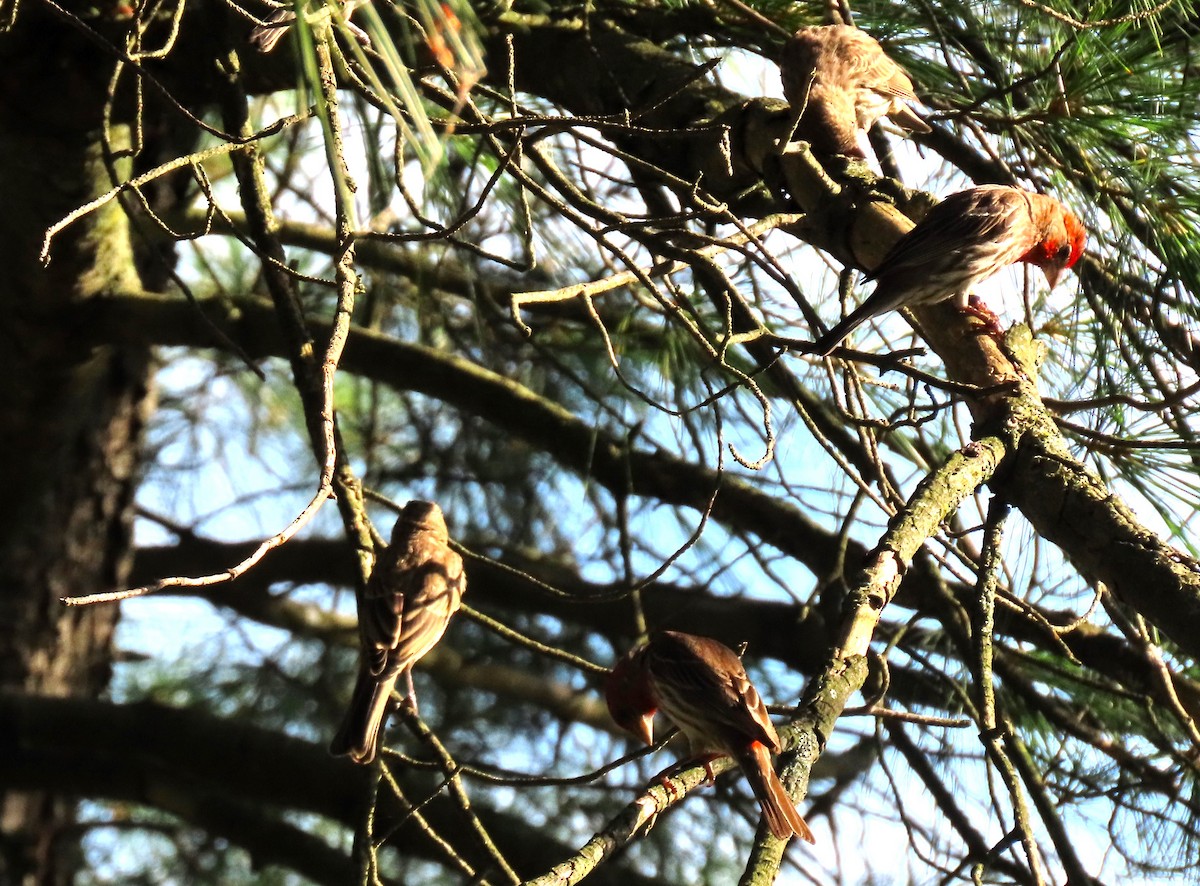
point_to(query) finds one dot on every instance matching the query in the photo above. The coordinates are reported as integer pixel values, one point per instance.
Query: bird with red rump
(701, 686)
(961, 242)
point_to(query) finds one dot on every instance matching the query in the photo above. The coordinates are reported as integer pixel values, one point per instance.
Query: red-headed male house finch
(701, 686)
(962, 241)
(415, 588)
(264, 37)
(839, 81)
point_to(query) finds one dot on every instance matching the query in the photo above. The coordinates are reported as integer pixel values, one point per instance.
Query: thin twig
(521, 639)
(229, 574)
(454, 782)
(660, 269)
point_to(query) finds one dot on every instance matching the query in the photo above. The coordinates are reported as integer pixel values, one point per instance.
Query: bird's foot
(410, 698)
(665, 780)
(989, 321)
(664, 777)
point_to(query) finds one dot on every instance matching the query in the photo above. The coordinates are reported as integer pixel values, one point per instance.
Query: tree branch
(198, 767)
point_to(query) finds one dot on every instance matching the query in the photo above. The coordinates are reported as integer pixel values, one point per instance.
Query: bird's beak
(645, 729)
(1052, 274)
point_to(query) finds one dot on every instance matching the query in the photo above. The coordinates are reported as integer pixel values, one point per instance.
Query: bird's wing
(416, 587)
(977, 215)
(435, 591)
(693, 673)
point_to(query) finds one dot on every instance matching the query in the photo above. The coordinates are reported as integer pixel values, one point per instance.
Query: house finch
(416, 586)
(962, 241)
(264, 37)
(701, 686)
(838, 80)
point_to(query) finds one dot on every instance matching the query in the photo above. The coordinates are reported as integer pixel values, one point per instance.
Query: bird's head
(1061, 243)
(630, 696)
(422, 515)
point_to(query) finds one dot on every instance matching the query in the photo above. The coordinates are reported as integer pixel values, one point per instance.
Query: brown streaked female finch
(962, 241)
(839, 81)
(700, 684)
(264, 37)
(415, 588)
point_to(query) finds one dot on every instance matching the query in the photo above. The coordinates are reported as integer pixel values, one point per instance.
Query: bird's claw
(665, 781)
(989, 320)
(670, 772)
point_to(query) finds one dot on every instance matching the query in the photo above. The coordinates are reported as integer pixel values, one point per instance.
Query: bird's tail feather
(780, 812)
(358, 736)
(828, 343)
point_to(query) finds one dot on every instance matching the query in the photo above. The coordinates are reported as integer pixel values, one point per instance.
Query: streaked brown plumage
(264, 37)
(839, 81)
(700, 684)
(416, 587)
(962, 241)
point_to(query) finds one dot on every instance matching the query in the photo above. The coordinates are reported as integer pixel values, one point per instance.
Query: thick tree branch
(575, 443)
(198, 766)
(857, 231)
(1127, 555)
(732, 619)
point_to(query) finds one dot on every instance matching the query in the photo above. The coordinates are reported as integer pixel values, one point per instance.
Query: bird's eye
(1063, 252)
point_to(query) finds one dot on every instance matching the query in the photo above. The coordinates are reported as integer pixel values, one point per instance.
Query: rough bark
(72, 412)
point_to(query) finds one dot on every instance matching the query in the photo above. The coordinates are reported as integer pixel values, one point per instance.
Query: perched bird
(264, 37)
(416, 587)
(839, 81)
(701, 686)
(962, 241)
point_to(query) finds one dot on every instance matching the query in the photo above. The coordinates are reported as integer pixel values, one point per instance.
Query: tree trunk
(73, 415)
